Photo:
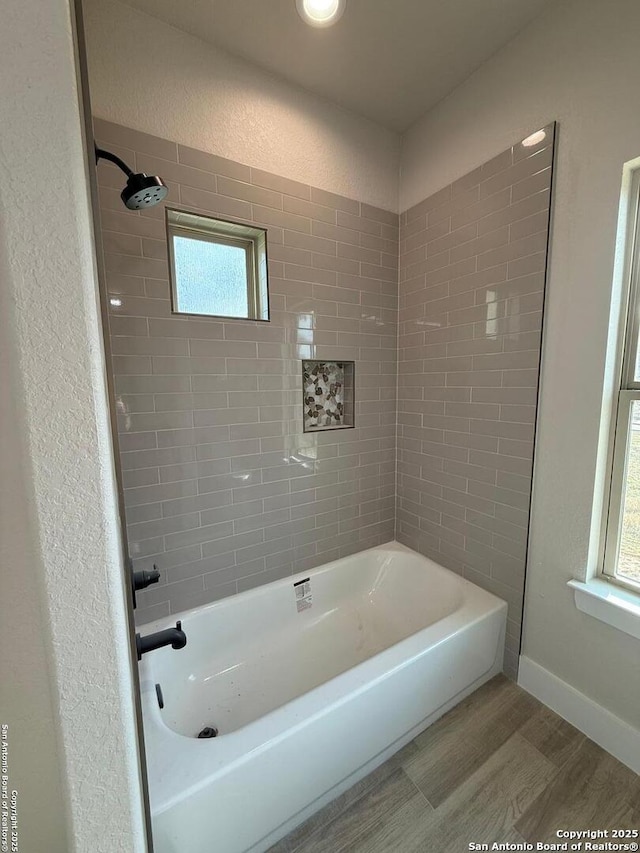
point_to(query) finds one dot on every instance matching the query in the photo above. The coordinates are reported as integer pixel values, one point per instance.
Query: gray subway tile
(213, 164)
(192, 502)
(285, 186)
(339, 202)
(140, 345)
(515, 212)
(249, 192)
(215, 203)
(339, 233)
(180, 174)
(282, 219)
(311, 210)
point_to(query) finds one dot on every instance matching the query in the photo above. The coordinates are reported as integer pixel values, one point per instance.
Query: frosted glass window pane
(211, 278)
(629, 556)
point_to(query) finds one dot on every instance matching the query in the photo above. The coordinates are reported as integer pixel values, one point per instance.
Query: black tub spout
(174, 637)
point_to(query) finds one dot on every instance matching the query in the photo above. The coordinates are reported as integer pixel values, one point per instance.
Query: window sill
(609, 603)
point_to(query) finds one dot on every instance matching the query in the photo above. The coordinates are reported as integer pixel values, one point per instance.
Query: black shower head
(141, 190)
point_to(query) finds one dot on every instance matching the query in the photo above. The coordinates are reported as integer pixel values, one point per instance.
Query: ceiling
(387, 60)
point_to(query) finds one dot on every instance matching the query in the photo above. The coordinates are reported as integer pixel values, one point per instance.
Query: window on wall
(622, 546)
(218, 268)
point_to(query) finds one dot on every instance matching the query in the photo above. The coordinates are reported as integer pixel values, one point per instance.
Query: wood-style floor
(499, 767)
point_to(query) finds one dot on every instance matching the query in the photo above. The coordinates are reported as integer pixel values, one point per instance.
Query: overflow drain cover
(208, 731)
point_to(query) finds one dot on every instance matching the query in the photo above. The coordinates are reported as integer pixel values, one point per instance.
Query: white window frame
(250, 238)
(628, 392)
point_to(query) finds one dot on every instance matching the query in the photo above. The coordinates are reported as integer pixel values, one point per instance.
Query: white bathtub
(307, 698)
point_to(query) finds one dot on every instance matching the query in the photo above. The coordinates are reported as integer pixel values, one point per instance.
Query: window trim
(628, 391)
(252, 238)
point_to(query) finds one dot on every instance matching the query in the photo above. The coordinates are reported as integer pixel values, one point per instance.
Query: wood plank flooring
(499, 767)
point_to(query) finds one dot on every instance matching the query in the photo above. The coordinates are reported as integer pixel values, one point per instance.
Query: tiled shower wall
(223, 490)
(472, 276)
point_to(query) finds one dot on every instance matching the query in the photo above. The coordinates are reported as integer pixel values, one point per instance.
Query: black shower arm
(101, 154)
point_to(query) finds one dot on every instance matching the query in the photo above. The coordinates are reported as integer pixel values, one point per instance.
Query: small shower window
(218, 268)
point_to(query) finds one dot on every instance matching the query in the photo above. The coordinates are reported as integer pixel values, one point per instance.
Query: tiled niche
(327, 395)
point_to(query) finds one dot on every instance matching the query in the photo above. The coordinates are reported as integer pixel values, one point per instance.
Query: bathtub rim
(262, 589)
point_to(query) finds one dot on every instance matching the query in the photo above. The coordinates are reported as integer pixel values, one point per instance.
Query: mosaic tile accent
(327, 394)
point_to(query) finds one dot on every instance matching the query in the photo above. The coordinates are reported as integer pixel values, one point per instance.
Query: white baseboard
(603, 727)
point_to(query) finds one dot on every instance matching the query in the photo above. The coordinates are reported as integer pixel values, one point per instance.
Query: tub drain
(208, 731)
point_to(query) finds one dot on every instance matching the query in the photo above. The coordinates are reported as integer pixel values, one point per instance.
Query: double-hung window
(622, 545)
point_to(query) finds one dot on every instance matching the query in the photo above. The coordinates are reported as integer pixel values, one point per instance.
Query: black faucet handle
(143, 579)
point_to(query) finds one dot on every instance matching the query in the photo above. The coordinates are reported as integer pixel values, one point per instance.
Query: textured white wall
(26, 704)
(150, 76)
(578, 64)
(69, 701)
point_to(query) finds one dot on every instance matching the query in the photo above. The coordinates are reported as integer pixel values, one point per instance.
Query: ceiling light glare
(535, 139)
(320, 13)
